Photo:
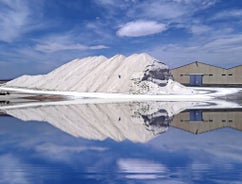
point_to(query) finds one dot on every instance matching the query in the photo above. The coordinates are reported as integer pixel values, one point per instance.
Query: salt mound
(136, 74)
(137, 122)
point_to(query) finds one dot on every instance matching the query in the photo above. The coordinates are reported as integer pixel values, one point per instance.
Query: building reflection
(134, 121)
(200, 121)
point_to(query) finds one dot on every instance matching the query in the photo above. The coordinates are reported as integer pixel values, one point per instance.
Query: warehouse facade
(201, 74)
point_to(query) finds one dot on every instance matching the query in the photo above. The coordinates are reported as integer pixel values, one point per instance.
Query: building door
(196, 80)
(196, 115)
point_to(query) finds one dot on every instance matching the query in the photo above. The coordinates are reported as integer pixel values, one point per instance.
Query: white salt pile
(136, 74)
(133, 121)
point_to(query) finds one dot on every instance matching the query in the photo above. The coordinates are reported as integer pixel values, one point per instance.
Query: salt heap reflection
(136, 121)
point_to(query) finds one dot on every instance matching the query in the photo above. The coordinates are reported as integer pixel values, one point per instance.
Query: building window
(223, 74)
(181, 75)
(230, 74)
(230, 120)
(210, 75)
(223, 120)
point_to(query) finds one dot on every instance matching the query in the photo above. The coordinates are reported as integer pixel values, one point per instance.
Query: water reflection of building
(200, 121)
(138, 122)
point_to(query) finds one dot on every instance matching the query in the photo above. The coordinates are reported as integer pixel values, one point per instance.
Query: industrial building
(201, 74)
(200, 121)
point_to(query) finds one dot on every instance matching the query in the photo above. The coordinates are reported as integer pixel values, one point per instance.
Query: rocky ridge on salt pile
(136, 74)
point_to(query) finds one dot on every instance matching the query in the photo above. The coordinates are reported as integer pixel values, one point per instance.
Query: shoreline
(203, 94)
(48, 94)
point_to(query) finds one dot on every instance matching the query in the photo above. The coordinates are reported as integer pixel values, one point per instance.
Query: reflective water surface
(139, 142)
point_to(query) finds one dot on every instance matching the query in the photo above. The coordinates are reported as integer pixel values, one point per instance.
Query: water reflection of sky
(36, 152)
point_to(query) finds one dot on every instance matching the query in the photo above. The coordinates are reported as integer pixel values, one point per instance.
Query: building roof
(202, 127)
(206, 64)
(235, 67)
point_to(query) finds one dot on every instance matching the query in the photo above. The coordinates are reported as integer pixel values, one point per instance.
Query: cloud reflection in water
(45, 154)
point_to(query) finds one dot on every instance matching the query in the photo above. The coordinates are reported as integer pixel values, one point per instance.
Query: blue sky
(40, 35)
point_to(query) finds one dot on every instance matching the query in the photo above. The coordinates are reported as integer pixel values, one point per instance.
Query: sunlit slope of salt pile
(133, 121)
(136, 74)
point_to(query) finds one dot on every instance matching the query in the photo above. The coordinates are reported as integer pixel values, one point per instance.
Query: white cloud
(63, 42)
(106, 2)
(12, 170)
(13, 18)
(226, 44)
(63, 152)
(141, 169)
(212, 145)
(46, 53)
(53, 47)
(170, 10)
(237, 13)
(58, 149)
(158, 10)
(141, 28)
(203, 3)
(18, 17)
(176, 13)
(200, 29)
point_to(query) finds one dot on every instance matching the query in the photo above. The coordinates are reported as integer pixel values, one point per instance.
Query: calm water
(121, 143)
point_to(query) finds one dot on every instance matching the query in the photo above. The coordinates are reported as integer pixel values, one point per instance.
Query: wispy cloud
(63, 42)
(41, 35)
(53, 47)
(13, 19)
(236, 13)
(62, 152)
(19, 17)
(212, 144)
(58, 149)
(217, 51)
(141, 169)
(158, 10)
(140, 28)
(150, 17)
(171, 10)
(225, 44)
(9, 163)
(200, 29)
(107, 2)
